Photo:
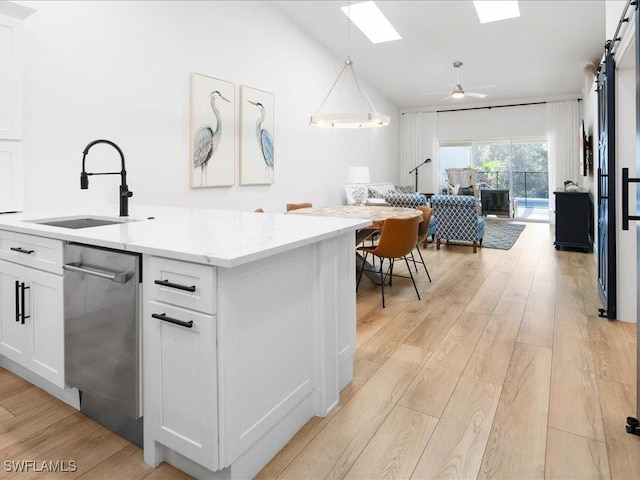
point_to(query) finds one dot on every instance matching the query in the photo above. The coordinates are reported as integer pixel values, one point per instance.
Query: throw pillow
(373, 193)
(406, 189)
(466, 191)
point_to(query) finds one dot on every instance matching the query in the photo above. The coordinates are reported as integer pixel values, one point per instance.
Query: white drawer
(32, 251)
(184, 284)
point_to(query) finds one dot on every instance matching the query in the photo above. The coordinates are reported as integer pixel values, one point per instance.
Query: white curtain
(419, 141)
(563, 127)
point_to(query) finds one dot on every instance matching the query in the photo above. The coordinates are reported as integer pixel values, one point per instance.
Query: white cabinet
(10, 78)
(237, 360)
(11, 176)
(13, 333)
(180, 374)
(31, 314)
(31, 251)
(11, 98)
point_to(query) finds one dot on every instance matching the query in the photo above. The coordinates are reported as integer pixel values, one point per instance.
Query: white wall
(590, 115)
(120, 71)
(626, 157)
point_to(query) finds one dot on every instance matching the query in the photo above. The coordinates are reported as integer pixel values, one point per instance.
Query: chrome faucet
(124, 189)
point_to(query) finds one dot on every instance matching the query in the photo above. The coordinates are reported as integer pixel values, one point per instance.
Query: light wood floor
(503, 370)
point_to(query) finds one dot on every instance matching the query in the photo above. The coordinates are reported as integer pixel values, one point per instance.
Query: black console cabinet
(574, 220)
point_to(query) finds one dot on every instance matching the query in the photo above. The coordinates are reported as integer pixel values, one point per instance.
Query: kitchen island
(248, 323)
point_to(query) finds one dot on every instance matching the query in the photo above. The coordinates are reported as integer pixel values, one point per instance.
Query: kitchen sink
(81, 222)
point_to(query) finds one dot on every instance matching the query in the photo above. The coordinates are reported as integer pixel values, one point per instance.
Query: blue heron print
(265, 140)
(207, 139)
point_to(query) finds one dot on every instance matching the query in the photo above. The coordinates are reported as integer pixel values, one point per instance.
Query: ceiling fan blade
(474, 94)
(482, 86)
(456, 88)
(433, 93)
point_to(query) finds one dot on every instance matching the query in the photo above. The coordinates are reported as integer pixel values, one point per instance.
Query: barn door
(606, 186)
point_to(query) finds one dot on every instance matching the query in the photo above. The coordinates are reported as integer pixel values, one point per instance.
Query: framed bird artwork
(212, 142)
(256, 136)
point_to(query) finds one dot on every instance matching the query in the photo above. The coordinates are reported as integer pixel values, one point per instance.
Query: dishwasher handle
(114, 277)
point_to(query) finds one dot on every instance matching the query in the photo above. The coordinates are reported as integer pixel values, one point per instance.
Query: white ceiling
(538, 56)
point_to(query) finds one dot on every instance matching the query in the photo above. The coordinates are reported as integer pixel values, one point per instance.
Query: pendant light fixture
(366, 118)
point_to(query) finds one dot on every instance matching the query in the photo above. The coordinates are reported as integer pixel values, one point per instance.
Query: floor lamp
(428, 160)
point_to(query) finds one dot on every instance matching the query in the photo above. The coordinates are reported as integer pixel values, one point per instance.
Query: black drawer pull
(22, 250)
(164, 318)
(167, 283)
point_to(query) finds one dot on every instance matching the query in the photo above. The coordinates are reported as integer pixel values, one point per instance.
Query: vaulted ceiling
(538, 56)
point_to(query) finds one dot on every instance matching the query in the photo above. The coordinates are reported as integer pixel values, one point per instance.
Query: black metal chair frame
(389, 273)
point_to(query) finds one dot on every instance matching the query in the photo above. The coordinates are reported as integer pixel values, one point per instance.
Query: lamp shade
(358, 175)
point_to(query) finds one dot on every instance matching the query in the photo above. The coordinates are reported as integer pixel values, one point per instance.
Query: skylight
(492, 11)
(371, 21)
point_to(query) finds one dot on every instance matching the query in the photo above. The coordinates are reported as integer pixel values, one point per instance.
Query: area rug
(501, 234)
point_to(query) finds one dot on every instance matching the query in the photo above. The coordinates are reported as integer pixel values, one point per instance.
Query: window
(517, 165)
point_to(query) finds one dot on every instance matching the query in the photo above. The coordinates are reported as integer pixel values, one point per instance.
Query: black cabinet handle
(22, 250)
(17, 301)
(20, 288)
(164, 318)
(23, 287)
(625, 199)
(167, 283)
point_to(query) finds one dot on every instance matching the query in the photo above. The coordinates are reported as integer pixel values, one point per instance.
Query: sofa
(375, 192)
(387, 194)
(456, 218)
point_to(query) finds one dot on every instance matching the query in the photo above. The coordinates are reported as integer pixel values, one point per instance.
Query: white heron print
(257, 145)
(212, 132)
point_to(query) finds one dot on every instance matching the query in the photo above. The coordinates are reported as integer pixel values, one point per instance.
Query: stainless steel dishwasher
(102, 335)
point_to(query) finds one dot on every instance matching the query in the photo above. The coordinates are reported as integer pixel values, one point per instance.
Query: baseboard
(67, 395)
(251, 461)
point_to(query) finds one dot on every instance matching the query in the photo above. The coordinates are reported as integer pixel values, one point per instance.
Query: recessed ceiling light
(492, 11)
(368, 18)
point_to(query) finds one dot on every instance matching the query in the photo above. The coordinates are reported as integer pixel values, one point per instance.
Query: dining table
(377, 214)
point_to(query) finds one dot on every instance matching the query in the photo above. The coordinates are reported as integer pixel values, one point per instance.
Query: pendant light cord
(348, 30)
(348, 119)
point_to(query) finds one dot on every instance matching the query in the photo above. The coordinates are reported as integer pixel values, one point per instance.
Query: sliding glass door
(517, 165)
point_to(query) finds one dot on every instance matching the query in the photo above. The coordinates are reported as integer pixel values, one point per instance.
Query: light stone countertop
(222, 238)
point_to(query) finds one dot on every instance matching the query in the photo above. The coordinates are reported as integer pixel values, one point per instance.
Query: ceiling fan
(457, 91)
